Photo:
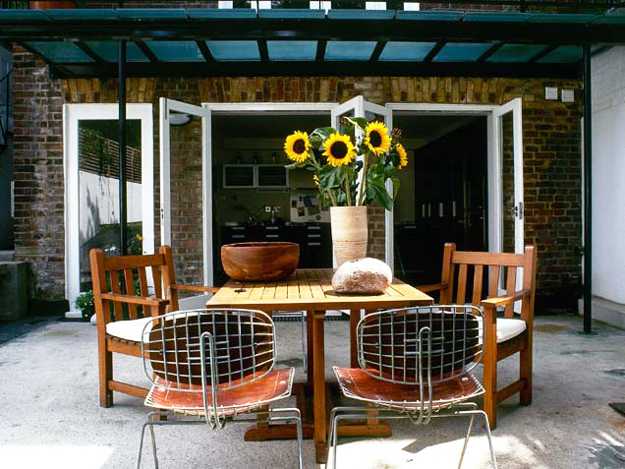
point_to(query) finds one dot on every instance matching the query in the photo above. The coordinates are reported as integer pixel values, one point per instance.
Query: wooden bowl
(259, 261)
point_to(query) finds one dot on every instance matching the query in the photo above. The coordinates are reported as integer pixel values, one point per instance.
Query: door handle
(517, 211)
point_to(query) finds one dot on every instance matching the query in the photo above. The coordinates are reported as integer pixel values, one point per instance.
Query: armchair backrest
(470, 277)
(120, 282)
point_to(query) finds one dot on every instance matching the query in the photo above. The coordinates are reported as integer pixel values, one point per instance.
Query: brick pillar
(38, 172)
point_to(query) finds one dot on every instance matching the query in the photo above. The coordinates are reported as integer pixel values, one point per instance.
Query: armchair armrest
(496, 302)
(135, 300)
(195, 288)
(431, 287)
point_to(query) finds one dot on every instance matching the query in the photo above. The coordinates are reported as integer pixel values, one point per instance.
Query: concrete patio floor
(49, 415)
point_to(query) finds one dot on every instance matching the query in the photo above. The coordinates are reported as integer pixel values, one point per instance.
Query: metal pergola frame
(199, 25)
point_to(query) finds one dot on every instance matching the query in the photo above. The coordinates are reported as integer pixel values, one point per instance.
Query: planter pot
(349, 233)
(49, 4)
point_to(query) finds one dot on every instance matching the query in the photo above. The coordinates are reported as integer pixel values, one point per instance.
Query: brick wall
(551, 149)
(38, 172)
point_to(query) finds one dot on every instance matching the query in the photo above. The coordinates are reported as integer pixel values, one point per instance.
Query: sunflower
(403, 156)
(297, 146)
(339, 149)
(377, 138)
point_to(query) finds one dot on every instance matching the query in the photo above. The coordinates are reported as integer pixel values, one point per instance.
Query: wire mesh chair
(210, 366)
(415, 363)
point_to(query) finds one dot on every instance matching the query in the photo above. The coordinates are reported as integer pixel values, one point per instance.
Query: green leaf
(357, 121)
(323, 132)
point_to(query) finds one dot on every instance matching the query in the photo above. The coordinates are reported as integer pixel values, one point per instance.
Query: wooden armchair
(504, 336)
(123, 305)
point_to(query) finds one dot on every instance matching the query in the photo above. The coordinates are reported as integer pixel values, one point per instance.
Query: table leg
(319, 387)
(354, 317)
(309, 348)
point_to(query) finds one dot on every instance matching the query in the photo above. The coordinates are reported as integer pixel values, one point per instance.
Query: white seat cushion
(127, 330)
(507, 328)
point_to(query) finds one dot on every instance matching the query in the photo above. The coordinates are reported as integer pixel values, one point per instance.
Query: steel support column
(587, 192)
(121, 100)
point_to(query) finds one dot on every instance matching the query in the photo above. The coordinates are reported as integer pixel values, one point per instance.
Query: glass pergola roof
(84, 42)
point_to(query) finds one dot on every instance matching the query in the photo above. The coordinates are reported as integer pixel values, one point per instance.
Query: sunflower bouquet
(351, 168)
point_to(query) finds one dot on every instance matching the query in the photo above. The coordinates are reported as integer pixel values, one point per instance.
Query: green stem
(363, 182)
(348, 189)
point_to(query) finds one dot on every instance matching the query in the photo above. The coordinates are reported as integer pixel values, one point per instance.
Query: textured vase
(349, 233)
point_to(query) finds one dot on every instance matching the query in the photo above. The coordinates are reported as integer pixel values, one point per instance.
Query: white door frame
(494, 161)
(165, 107)
(221, 109)
(72, 114)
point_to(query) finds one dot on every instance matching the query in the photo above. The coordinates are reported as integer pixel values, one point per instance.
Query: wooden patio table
(310, 290)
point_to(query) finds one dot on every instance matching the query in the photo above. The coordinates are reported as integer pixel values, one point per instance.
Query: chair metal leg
(493, 460)
(466, 441)
(295, 416)
(153, 446)
(151, 426)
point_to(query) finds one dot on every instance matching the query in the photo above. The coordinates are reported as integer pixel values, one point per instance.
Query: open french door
(359, 107)
(508, 196)
(175, 113)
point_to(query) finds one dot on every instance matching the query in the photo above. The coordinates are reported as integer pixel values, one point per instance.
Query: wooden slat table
(311, 290)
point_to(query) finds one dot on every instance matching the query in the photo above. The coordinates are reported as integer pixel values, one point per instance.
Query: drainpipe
(121, 100)
(587, 193)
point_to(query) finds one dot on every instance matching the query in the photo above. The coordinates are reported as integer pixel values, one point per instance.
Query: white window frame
(72, 114)
(493, 115)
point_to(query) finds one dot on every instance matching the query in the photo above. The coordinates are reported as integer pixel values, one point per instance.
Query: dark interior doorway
(443, 193)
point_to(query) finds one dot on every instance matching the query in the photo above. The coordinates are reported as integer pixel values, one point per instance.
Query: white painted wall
(608, 175)
(99, 196)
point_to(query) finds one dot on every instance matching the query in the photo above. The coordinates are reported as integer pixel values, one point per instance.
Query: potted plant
(350, 171)
(84, 302)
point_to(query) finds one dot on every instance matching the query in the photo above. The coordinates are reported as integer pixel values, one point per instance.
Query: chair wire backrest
(211, 350)
(420, 346)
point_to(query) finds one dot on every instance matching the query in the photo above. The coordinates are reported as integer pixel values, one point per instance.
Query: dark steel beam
(452, 30)
(206, 53)
(121, 101)
(328, 68)
(321, 50)
(490, 51)
(543, 53)
(379, 47)
(587, 191)
(146, 51)
(434, 51)
(87, 50)
(262, 49)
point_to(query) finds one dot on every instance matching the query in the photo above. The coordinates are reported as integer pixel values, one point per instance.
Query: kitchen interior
(255, 198)
(443, 192)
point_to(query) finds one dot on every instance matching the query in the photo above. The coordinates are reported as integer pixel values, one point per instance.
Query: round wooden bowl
(259, 261)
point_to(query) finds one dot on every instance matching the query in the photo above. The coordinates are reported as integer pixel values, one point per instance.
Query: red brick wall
(551, 148)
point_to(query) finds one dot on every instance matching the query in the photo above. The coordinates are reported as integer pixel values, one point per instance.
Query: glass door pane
(98, 180)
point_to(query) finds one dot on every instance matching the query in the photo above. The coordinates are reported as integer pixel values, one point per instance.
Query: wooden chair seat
(274, 386)
(129, 330)
(507, 328)
(357, 384)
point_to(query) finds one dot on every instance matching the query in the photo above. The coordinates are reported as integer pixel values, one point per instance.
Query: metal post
(121, 100)
(587, 193)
